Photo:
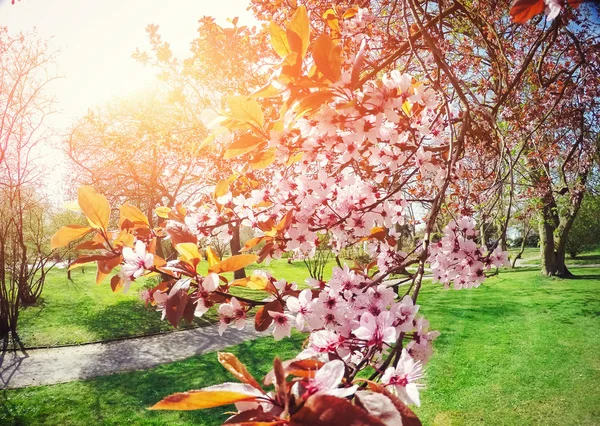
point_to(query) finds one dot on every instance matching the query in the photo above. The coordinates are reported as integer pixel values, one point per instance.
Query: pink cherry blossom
(402, 379)
(232, 313)
(376, 330)
(283, 324)
(135, 263)
(326, 382)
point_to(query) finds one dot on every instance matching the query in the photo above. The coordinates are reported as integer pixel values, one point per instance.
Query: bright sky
(96, 39)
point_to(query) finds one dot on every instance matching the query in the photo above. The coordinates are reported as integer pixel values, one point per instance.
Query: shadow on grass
(124, 398)
(131, 318)
(588, 258)
(587, 277)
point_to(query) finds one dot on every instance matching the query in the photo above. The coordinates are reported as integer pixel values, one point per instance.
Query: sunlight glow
(96, 40)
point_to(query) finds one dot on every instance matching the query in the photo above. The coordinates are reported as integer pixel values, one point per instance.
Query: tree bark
(236, 245)
(552, 248)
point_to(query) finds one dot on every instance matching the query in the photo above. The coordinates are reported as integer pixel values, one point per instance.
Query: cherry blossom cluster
(457, 259)
(343, 171)
(350, 320)
(354, 168)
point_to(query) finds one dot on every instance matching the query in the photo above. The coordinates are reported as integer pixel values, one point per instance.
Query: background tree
(199, 88)
(26, 64)
(585, 231)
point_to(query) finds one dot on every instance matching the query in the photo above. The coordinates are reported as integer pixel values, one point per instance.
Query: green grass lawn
(531, 256)
(528, 254)
(79, 311)
(520, 350)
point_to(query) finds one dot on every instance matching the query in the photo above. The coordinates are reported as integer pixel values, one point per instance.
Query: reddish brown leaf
(379, 406)
(235, 367)
(409, 418)
(522, 11)
(175, 306)
(179, 234)
(263, 320)
(116, 283)
(300, 368)
(105, 267)
(280, 382)
(254, 417)
(327, 410)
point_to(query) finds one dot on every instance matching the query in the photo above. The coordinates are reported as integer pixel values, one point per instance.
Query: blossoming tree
(348, 142)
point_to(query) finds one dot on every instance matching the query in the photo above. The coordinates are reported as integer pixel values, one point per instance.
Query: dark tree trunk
(482, 235)
(236, 245)
(552, 250)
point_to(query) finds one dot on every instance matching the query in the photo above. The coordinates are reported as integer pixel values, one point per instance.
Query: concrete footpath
(57, 365)
(36, 367)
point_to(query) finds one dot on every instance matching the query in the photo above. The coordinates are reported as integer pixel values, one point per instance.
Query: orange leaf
(162, 212)
(312, 103)
(211, 257)
(330, 16)
(254, 282)
(235, 367)
(279, 40)
(244, 144)
(85, 259)
(246, 110)
(213, 396)
(233, 263)
(328, 57)
(132, 213)
(222, 188)
(159, 261)
(294, 158)
(349, 13)
(263, 159)
(95, 207)
(90, 245)
(189, 253)
(267, 91)
(125, 239)
(298, 31)
(253, 242)
(66, 234)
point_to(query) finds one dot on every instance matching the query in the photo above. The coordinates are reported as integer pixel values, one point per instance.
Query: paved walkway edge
(37, 367)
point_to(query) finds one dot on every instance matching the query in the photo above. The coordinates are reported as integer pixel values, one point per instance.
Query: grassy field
(79, 311)
(528, 254)
(520, 350)
(531, 256)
